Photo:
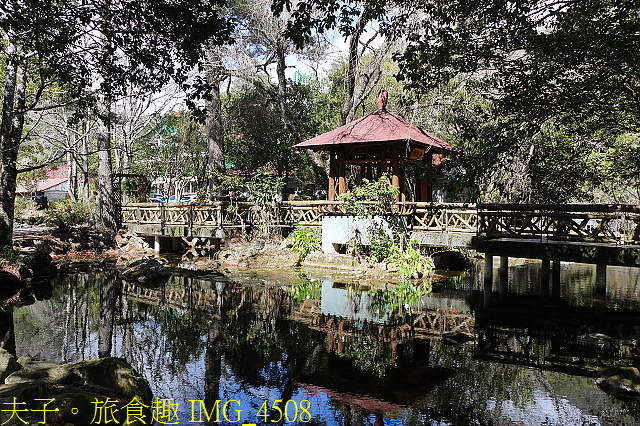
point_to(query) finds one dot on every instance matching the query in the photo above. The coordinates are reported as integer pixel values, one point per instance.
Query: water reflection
(357, 362)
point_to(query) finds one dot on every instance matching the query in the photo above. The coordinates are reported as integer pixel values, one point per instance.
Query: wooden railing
(420, 216)
(571, 222)
(611, 223)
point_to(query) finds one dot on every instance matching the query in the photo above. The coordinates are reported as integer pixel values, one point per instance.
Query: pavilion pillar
(403, 184)
(342, 182)
(395, 172)
(428, 190)
(332, 176)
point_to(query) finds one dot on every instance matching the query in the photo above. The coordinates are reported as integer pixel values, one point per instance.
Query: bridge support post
(503, 274)
(175, 244)
(555, 290)
(488, 278)
(156, 243)
(601, 277)
(544, 278)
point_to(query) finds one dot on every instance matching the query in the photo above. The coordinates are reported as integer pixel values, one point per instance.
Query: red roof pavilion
(378, 143)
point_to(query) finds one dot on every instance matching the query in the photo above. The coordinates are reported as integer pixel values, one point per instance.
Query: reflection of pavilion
(401, 387)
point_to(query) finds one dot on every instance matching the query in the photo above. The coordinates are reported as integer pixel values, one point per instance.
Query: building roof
(41, 185)
(378, 127)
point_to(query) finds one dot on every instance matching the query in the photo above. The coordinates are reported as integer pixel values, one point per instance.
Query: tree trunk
(106, 201)
(7, 193)
(109, 293)
(83, 181)
(354, 58)
(215, 136)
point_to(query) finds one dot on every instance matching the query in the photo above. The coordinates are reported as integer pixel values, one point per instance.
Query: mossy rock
(623, 382)
(39, 372)
(146, 271)
(116, 375)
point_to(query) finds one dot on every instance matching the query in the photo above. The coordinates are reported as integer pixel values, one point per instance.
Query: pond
(324, 349)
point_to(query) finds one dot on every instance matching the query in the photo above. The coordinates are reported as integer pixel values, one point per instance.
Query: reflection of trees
(110, 291)
(370, 354)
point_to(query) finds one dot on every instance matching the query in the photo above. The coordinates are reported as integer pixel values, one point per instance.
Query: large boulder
(146, 271)
(114, 374)
(623, 382)
(35, 265)
(258, 254)
(127, 241)
(39, 372)
(73, 390)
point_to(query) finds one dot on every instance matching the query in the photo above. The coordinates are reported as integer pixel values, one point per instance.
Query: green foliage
(305, 241)
(305, 289)
(409, 260)
(174, 148)
(381, 247)
(371, 198)
(26, 211)
(398, 299)
(264, 190)
(67, 214)
(258, 137)
(8, 255)
(227, 184)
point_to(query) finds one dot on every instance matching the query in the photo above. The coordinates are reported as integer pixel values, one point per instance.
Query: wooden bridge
(590, 233)
(449, 217)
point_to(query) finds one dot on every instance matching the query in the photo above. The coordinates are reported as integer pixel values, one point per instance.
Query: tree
(118, 43)
(549, 83)
(176, 148)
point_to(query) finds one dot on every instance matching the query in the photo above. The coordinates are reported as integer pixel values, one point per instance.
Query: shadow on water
(339, 351)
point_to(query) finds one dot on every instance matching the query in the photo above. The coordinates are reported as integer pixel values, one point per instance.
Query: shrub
(67, 214)
(26, 211)
(305, 241)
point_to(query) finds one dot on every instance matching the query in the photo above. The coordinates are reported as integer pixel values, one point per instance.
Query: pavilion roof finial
(382, 99)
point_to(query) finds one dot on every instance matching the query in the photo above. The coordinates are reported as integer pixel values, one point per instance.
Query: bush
(305, 241)
(26, 211)
(67, 214)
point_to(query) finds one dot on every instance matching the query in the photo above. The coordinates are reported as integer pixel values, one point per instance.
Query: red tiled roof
(379, 126)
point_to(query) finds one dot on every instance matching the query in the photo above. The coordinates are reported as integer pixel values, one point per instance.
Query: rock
(250, 249)
(73, 390)
(455, 338)
(128, 241)
(8, 364)
(114, 374)
(24, 360)
(146, 271)
(623, 382)
(38, 264)
(451, 260)
(38, 371)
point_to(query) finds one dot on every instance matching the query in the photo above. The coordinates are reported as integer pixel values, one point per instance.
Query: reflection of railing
(568, 222)
(420, 216)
